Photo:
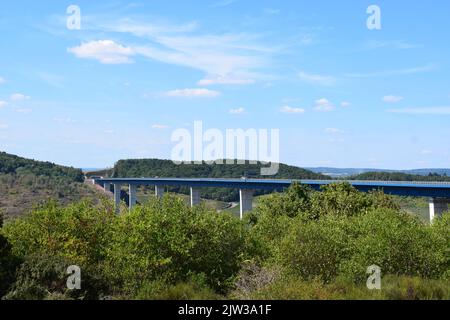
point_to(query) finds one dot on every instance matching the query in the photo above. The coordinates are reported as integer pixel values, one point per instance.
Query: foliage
(300, 244)
(11, 164)
(166, 239)
(399, 176)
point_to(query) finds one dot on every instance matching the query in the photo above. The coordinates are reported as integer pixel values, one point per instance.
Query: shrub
(44, 276)
(79, 232)
(166, 239)
(189, 290)
(315, 249)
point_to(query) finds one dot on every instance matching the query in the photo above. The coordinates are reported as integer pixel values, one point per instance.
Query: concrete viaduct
(437, 192)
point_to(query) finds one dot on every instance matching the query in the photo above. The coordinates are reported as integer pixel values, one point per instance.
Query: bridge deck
(402, 188)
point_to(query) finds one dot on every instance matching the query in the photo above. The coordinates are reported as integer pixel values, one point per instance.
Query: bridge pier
(117, 190)
(159, 191)
(132, 194)
(195, 196)
(246, 201)
(107, 187)
(438, 206)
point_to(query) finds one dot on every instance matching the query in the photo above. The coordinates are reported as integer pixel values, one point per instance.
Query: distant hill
(11, 164)
(398, 176)
(25, 183)
(346, 172)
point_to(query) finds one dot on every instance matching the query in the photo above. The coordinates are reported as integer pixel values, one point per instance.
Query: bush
(189, 290)
(8, 262)
(42, 276)
(166, 239)
(79, 232)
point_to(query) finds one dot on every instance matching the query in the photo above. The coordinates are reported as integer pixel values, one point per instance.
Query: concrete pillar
(195, 196)
(132, 193)
(246, 201)
(438, 206)
(107, 187)
(159, 191)
(117, 189)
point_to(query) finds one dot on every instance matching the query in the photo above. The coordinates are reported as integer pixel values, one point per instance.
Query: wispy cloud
(19, 97)
(160, 126)
(2, 80)
(322, 80)
(192, 93)
(345, 104)
(3, 126)
(224, 58)
(423, 111)
(237, 111)
(333, 130)
(396, 44)
(397, 72)
(3, 104)
(288, 109)
(324, 105)
(223, 3)
(228, 79)
(53, 80)
(105, 51)
(392, 99)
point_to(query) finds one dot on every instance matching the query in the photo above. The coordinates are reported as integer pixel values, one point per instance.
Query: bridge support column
(246, 201)
(195, 196)
(437, 207)
(117, 190)
(107, 187)
(159, 191)
(132, 193)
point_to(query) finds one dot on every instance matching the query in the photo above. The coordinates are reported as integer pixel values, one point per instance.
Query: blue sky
(342, 95)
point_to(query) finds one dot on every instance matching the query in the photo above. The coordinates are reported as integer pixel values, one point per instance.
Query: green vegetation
(11, 164)
(295, 245)
(25, 183)
(399, 176)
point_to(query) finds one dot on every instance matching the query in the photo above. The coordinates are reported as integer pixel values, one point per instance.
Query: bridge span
(437, 192)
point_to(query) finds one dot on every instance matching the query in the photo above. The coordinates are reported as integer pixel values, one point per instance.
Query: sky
(341, 94)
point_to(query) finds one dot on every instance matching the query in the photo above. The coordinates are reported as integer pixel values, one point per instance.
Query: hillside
(346, 172)
(398, 176)
(25, 183)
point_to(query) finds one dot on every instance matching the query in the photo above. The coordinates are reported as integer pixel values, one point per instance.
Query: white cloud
(2, 80)
(426, 152)
(192, 93)
(398, 44)
(392, 99)
(224, 54)
(24, 110)
(288, 109)
(64, 120)
(3, 104)
(19, 97)
(105, 51)
(323, 105)
(160, 126)
(4, 126)
(345, 104)
(109, 131)
(423, 111)
(237, 111)
(333, 130)
(228, 79)
(388, 73)
(321, 80)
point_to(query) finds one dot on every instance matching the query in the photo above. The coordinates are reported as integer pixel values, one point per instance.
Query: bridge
(437, 192)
